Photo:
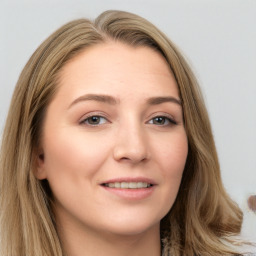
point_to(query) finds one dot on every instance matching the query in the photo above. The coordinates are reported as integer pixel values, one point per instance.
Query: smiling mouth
(128, 185)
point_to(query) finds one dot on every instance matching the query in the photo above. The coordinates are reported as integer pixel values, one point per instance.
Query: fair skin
(116, 120)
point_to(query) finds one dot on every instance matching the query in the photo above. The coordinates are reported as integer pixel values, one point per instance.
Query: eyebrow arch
(160, 100)
(95, 97)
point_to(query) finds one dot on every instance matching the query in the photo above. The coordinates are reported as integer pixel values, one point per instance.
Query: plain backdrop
(218, 37)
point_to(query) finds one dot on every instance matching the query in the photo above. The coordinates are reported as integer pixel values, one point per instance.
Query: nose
(131, 145)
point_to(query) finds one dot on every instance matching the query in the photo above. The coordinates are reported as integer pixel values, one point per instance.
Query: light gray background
(217, 36)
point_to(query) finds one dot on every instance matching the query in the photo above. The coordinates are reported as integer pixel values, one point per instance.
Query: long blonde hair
(203, 216)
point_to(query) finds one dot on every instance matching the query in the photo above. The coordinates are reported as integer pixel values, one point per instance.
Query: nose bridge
(131, 142)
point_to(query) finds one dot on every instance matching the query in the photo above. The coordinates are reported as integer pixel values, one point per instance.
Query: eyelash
(170, 121)
(85, 121)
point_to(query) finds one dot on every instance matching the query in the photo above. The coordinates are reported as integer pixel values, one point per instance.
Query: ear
(40, 171)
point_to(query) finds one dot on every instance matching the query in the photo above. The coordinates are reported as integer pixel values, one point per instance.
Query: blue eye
(94, 120)
(162, 121)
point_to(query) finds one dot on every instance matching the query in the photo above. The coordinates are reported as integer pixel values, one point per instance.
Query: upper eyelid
(162, 114)
(94, 113)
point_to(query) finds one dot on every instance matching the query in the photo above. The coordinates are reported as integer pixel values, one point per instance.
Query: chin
(133, 227)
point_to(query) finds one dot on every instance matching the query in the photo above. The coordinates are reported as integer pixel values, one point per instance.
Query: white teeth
(116, 185)
(130, 185)
(133, 185)
(124, 185)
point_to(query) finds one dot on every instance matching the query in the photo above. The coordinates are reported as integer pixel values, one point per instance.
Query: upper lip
(129, 179)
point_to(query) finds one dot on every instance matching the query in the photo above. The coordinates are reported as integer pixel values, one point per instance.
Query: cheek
(73, 154)
(172, 159)
(172, 155)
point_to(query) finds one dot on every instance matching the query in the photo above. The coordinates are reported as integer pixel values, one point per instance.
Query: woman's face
(114, 144)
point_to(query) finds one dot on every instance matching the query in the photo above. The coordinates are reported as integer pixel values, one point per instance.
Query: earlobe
(40, 172)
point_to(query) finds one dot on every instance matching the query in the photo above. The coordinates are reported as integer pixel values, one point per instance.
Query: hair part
(203, 216)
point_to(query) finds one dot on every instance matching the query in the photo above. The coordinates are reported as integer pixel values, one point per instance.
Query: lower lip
(131, 194)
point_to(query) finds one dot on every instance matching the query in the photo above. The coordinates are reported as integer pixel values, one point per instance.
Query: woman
(108, 149)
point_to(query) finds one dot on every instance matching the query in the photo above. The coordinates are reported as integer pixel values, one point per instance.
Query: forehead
(112, 52)
(117, 66)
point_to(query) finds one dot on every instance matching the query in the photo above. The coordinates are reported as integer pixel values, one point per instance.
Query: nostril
(252, 202)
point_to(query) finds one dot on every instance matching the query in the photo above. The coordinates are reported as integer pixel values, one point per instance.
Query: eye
(162, 121)
(94, 120)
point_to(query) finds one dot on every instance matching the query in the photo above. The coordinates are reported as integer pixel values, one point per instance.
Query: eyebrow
(160, 100)
(95, 97)
(113, 101)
